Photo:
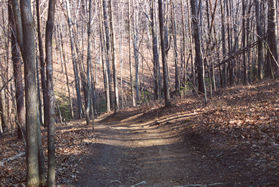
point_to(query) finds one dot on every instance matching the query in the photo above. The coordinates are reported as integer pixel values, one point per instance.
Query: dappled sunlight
(134, 135)
(136, 132)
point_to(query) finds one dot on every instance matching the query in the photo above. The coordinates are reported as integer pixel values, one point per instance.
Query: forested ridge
(143, 93)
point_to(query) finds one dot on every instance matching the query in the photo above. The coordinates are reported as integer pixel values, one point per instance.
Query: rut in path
(130, 150)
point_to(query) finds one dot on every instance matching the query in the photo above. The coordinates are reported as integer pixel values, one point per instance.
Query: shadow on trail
(190, 161)
(166, 165)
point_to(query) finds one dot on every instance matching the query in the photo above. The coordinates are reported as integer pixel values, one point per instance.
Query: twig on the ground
(200, 185)
(12, 158)
(140, 183)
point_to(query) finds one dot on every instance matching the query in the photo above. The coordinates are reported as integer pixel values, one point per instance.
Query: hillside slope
(234, 141)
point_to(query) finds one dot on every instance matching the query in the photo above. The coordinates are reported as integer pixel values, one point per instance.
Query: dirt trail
(128, 149)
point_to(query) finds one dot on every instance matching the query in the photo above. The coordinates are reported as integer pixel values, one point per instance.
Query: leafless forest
(67, 60)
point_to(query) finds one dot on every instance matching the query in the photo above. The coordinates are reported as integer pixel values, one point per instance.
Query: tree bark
(66, 72)
(271, 40)
(198, 59)
(88, 104)
(136, 48)
(50, 95)
(259, 36)
(163, 53)
(156, 64)
(112, 49)
(107, 45)
(75, 68)
(31, 100)
(224, 50)
(130, 58)
(18, 22)
(245, 77)
(104, 61)
(42, 62)
(17, 76)
(175, 51)
(2, 114)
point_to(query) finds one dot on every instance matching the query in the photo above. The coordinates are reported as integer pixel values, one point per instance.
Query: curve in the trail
(133, 150)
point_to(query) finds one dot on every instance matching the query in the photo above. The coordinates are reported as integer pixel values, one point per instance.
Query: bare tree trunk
(136, 48)
(230, 69)
(196, 36)
(177, 80)
(112, 48)
(191, 52)
(18, 22)
(156, 65)
(259, 35)
(42, 62)
(77, 82)
(104, 64)
(164, 62)
(31, 100)
(66, 72)
(2, 114)
(107, 45)
(130, 59)
(51, 98)
(271, 40)
(17, 76)
(245, 78)
(248, 36)
(224, 83)
(88, 104)
(6, 75)
(121, 58)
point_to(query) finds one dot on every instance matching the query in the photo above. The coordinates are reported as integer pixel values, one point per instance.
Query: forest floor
(233, 141)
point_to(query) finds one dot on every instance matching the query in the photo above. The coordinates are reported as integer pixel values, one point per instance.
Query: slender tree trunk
(121, 58)
(271, 40)
(31, 100)
(6, 75)
(245, 78)
(156, 65)
(42, 62)
(130, 58)
(112, 51)
(259, 36)
(224, 83)
(50, 96)
(39, 89)
(2, 114)
(248, 37)
(163, 53)
(230, 72)
(66, 72)
(177, 80)
(42, 170)
(17, 77)
(198, 59)
(63, 61)
(191, 52)
(88, 104)
(18, 22)
(136, 48)
(107, 45)
(75, 68)
(104, 64)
